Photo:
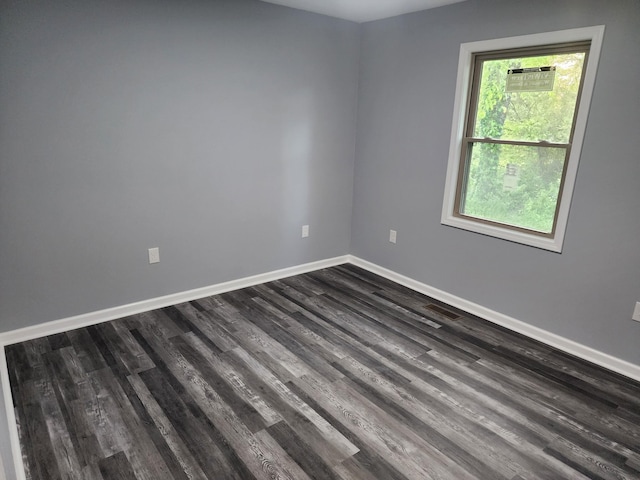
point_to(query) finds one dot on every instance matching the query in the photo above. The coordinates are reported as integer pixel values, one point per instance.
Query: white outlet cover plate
(636, 312)
(154, 255)
(393, 235)
(305, 231)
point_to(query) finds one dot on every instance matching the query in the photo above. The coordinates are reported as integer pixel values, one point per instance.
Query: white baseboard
(93, 318)
(569, 346)
(7, 338)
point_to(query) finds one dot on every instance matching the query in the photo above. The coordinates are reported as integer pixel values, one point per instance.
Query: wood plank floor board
(254, 339)
(144, 457)
(366, 459)
(624, 394)
(64, 394)
(246, 412)
(91, 419)
(441, 338)
(58, 340)
(312, 427)
(86, 350)
(303, 351)
(456, 443)
(241, 447)
(385, 435)
(490, 337)
(350, 347)
(595, 462)
(455, 399)
(336, 374)
(331, 325)
(328, 350)
(271, 311)
(487, 349)
(63, 442)
(390, 326)
(189, 467)
(194, 432)
(143, 423)
(269, 293)
(206, 327)
(301, 452)
(146, 441)
(203, 438)
(540, 415)
(327, 311)
(239, 379)
(501, 450)
(42, 459)
(90, 450)
(598, 421)
(547, 422)
(418, 331)
(129, 351)
(117, 466)
(92, 472)
(375, 302)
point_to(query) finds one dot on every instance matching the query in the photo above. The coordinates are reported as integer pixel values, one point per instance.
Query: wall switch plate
(154, 255)
(392, 236)
(636, 312)
(305, 231)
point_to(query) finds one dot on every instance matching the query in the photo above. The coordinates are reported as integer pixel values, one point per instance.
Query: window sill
(550, 244)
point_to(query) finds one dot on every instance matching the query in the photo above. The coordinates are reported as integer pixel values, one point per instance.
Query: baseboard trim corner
(584, 352)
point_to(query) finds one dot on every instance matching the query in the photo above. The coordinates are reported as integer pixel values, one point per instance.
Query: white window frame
(593, 34)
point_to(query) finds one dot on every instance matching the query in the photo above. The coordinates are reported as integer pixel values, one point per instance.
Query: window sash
(463, 174)
(481, 57)
(471, 117)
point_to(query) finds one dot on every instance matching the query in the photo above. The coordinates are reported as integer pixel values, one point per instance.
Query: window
(520, 115)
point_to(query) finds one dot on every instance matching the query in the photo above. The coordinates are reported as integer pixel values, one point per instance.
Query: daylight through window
(518, 137)
(519, 140)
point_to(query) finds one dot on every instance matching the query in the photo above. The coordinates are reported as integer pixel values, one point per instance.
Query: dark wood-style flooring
(335, 374)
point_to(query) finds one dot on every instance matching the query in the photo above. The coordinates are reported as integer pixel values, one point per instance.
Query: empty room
(319, 239)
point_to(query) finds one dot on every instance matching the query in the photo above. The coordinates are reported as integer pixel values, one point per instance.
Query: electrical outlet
(154, 255)
(636, 312)
(305, 231)
(392, 236)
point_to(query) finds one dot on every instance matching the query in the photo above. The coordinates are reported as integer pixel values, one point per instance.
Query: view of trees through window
(518, 142)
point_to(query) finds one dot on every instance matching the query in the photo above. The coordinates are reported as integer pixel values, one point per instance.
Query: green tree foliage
(490, 119)
(527, 116)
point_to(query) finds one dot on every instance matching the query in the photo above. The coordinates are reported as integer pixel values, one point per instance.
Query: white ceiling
(363, 10)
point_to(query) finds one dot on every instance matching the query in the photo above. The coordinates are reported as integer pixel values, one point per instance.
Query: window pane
(528, 115)
(513, 184)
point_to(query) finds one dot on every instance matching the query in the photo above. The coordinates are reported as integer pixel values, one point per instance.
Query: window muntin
(464, 138)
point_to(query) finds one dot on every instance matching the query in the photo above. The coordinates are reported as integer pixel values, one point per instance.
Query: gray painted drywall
(408, 70)
(211, 129)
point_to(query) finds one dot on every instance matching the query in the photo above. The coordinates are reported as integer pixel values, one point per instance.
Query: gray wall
(408, 72)
(213, 130)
